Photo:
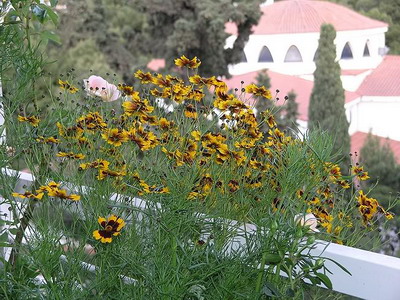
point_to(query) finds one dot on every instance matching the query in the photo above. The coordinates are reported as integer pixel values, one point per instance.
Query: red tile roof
(358, 140)
(300, 16)
(285, 83)
(384, 80)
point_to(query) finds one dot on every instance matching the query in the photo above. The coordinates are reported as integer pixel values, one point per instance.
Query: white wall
(357, 40)
(307, 43)
(378, 114)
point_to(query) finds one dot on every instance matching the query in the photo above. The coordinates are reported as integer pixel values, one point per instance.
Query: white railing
(373, 275)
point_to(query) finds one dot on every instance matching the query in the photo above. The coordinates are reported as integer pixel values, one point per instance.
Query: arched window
(293, 55)
(265, 55)
(243, 59)
(346, 52)
(315, 55)
(366, 50)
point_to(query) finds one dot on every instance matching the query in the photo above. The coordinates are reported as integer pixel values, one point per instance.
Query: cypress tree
(326, 109)
(262, 104)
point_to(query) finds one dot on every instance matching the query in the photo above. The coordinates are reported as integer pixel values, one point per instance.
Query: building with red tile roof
(304, 16)
(358, 140)
(286, 38)
(384, 80)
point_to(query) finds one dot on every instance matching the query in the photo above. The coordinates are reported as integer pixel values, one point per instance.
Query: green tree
(262, 104)
(378, 159)
(380, 162)
(291, 113)
(101, 36)
(326, 109)
(197, 28)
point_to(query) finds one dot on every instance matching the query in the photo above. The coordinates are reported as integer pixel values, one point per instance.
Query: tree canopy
(197, 28)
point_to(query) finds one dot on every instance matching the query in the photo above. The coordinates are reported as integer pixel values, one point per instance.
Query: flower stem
(24, 222)
(261, 273)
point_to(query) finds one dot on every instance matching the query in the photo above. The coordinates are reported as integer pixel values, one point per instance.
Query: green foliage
(109, 31)
(326, 110)
(285, 115)
(378, 159)
(197, 28)
(291, 111)
(24, 32)
(262, 104)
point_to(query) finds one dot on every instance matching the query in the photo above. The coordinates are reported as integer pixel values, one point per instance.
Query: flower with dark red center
(111, 227)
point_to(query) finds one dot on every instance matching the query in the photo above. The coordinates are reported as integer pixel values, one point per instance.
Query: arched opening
(243, 59)
(315, 55)
(293, 55)
(366, 50)
(346, 52)
(265, 55)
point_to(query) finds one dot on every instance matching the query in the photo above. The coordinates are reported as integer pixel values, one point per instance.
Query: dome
(302, 16)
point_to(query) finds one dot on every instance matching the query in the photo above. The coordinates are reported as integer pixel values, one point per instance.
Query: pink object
(97, 86)
(156, 63)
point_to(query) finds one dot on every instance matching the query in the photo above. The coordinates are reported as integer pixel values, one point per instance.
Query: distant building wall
(307, 44)
(376, 114)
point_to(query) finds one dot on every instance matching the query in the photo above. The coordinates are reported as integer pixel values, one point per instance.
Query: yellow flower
(47, 140)
(71, 155)
(49, 187)
(97, 164)
(60, 193)
(127, 90)
(137, 107)
(233, 186)
(144, 77)
(111, 227)
(115, 136)
(29, 195)
(145, 139)
(74, 132)
(165, 124)
(65, 85)
(258, 91)
(196, 135)
(190, 111)
(183, 61)
(196, 79)
(360, 173)
(34, 121)
(92, 121)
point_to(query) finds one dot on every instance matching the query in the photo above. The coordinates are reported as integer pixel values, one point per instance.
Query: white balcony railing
(373, 275)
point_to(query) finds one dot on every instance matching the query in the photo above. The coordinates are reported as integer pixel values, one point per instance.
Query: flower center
(109, 228)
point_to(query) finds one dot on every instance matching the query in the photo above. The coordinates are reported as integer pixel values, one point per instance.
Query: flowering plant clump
(199, 166)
